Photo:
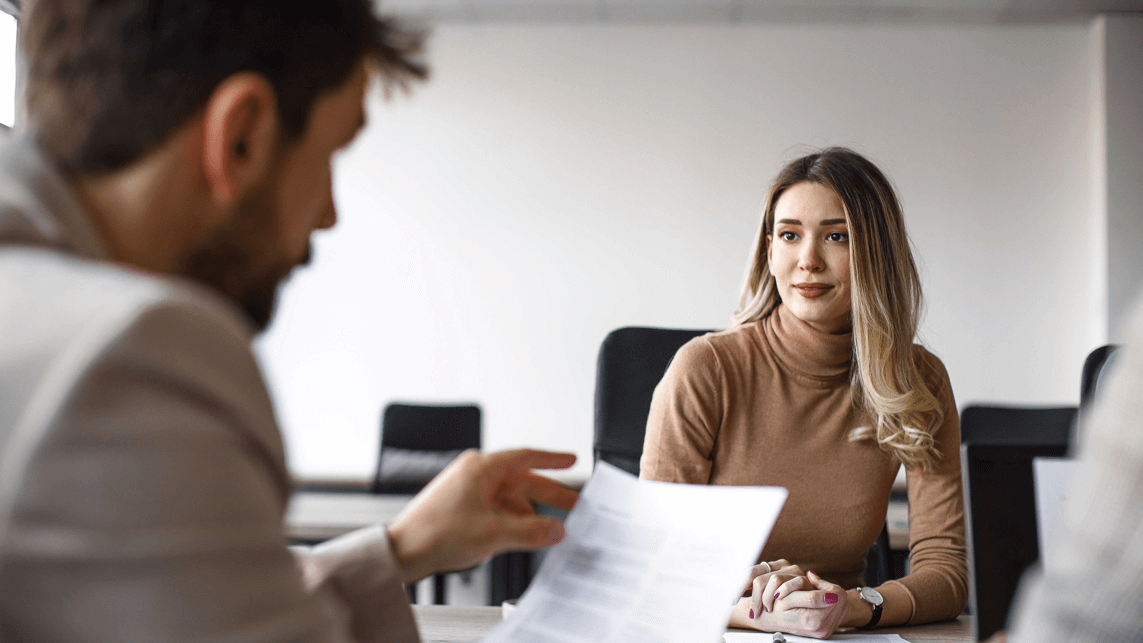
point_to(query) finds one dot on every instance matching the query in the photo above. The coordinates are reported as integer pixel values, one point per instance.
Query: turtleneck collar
(806, 350)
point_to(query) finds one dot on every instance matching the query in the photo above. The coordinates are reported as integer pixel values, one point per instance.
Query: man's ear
(240, 135)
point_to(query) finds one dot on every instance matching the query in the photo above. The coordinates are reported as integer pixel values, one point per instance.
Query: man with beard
(174, 163)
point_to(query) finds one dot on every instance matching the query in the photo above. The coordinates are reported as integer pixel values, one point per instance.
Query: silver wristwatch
(873, 597)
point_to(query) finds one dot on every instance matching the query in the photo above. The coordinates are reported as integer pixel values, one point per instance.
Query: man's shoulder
(64, 319)
(92, 352)
(49, 295)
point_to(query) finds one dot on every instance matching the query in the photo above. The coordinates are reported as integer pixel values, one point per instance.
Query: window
(7, 69)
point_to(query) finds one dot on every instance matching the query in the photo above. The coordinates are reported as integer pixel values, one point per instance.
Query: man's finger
(546, 491)
(527, 459)
(529, 533)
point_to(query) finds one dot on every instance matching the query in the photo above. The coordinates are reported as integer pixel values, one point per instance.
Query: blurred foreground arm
(1091, 589)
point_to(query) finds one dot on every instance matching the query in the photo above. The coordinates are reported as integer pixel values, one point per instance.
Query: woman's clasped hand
(784, 599)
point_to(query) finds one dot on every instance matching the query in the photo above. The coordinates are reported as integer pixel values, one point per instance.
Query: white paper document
(766, 637)
(645, 562)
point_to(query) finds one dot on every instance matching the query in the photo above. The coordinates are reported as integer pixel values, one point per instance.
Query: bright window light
(7, 70)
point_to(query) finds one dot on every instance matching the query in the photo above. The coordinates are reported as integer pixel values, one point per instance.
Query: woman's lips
(812, 291)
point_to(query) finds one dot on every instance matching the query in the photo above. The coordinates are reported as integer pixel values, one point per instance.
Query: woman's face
(809, 256)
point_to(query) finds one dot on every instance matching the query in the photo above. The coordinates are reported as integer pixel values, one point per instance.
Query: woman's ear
(769, 246)
(240, 136)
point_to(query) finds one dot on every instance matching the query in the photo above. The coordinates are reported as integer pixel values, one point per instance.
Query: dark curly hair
(109, 80)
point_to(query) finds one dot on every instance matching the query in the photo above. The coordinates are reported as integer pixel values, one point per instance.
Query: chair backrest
(1095, 369)
(879, 561)
(419, 440)
(631, 362)
(1014, 425)
(1000, 523)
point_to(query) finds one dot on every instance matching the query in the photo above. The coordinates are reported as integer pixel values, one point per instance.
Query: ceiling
(754, 11)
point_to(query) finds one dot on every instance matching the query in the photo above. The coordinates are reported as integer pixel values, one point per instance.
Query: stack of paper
(645, 562)
(766, 637)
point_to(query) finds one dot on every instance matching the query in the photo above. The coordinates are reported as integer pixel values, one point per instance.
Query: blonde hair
(886, 375)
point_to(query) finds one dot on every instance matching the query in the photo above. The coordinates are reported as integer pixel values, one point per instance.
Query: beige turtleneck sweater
(769, 403)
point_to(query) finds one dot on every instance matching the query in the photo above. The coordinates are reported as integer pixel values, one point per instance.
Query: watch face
(871, 596)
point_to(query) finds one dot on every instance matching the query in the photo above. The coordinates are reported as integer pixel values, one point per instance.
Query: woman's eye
(787, 236)
(838, 237)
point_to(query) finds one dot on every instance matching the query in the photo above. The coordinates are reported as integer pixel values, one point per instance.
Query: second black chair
(417, 442)
(1095, 369)
(1013, 425)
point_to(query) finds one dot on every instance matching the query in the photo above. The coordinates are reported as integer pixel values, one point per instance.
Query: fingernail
(776, 595)
(752, 615)
(812, 572)
(831, 598)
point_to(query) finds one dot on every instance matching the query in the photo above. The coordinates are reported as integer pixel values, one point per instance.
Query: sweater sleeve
(936, 588)
(686, 413)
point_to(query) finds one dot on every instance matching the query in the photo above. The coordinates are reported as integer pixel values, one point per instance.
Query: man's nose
(328, 218)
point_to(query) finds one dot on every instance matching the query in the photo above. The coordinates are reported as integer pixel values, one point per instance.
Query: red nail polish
(752, 615)
(811, 572)
(831, 598)
(776, 595)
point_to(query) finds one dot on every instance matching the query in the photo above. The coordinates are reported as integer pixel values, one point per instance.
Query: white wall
(553, 183)
(1123, 47)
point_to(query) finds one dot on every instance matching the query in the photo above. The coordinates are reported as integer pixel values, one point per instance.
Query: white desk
(444, 624)
(320, 515)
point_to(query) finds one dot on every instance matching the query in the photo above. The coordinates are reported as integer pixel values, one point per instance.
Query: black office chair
(880, 563)
(1094, 377)
(1014, 425)
(631, 362)
(998, 444)
(1000, 523)
(417, 442)
(420, 440)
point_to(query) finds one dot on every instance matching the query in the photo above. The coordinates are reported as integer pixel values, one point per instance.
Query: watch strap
(876, 618)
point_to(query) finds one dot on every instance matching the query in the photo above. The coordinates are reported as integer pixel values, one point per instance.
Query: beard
(238, 259)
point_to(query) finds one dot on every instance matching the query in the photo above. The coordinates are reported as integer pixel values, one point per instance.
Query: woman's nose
(810, 258)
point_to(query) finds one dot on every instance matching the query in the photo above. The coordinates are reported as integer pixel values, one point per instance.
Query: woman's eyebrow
(824, 223)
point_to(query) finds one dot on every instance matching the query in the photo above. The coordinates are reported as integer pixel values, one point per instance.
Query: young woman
(819, 388)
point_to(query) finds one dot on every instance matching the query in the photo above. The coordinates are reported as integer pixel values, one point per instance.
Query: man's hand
(480, 505)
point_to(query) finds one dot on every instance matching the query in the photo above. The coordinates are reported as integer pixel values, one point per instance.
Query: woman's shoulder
(932, 369)
(717, 349)
(731, 343)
